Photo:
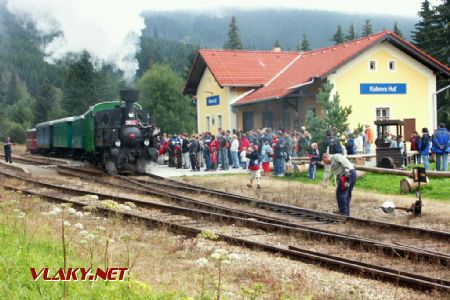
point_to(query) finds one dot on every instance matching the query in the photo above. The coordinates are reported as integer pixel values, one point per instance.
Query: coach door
(247, 120)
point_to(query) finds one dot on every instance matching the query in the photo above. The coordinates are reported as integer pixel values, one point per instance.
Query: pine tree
(351, 33)
(338, 37)
(304, 44)
(277, 44)
(334, 116)
(442, 32)
(80, 86)
(233, 40)
(45, 102)
(423, 33)
(367, 28)
(397, 30)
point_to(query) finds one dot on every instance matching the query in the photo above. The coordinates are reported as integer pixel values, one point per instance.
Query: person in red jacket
(213, 148)
(254, 158)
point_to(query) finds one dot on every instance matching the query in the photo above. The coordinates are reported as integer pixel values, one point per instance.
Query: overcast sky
(393, 7)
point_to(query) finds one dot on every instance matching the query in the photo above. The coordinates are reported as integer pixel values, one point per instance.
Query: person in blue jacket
(441, 146)
(424, 146)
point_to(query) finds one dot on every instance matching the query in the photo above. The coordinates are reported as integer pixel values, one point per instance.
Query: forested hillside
(33, 90)
(260, 29)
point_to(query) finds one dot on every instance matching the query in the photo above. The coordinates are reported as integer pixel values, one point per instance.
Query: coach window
(372, 65)
(392, 65)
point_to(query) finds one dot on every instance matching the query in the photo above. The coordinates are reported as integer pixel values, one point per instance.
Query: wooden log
(360, 174)
(407, 185)
(437, 174)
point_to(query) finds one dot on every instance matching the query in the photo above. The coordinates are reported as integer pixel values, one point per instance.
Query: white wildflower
(202, 262)
(87, 213)
(90, 236)
(56, 209)
(21, 215)
(226, 261)
(71, 210)
(78, 226)
(80, 214)
(66, 224)
(45, 213)
(101, 228)
(83, 232)
(83, 241)
(16, 210)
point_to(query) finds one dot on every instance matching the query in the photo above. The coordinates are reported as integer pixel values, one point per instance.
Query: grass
(439, 188)
(25, 246)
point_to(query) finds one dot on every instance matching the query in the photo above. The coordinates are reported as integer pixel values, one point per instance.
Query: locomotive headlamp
(131, 115)
(146, 142)
(117, 143)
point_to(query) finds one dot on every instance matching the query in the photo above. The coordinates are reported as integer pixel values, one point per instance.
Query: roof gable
(238, 68)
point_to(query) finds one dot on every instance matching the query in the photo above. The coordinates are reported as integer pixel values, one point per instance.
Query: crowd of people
(437, 144)
(226, 150)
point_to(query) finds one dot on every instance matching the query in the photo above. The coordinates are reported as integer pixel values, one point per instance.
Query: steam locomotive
(117, 135)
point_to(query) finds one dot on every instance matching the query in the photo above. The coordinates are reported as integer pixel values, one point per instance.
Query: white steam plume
(109, 30)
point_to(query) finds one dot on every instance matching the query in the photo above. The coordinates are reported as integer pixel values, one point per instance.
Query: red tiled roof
(319, 63)
(272, 74)
(245, 68)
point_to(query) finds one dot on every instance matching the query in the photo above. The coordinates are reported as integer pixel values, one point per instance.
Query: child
(266, 154)
(244, 158)
(314, 157)
(254, 160)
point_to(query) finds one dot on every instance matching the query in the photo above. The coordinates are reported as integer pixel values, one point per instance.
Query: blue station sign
(382, 88)
(213, 100)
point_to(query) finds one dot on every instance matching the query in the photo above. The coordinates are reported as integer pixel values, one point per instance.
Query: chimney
(276, 49)
(129, 96)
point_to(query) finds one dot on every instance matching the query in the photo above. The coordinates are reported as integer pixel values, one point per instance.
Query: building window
(219, 121)
(392, 65)
(372, 65)
(208, 123)
(383, 113)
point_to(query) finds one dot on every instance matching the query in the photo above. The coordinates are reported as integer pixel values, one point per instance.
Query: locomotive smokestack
(129, 96)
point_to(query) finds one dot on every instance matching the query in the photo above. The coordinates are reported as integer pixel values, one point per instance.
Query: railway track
(305, 223)
(194, 209)
(177, 224)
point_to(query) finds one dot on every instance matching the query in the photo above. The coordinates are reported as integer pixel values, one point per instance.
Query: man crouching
(254, 166)
(345, 174)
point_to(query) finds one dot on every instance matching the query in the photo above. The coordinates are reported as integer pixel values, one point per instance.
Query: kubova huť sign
(382, 88)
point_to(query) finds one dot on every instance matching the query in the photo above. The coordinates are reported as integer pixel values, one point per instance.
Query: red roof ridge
(283, 70)
(349, 43)
(245, 51)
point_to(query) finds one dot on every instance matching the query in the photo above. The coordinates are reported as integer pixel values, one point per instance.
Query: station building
(382, 76)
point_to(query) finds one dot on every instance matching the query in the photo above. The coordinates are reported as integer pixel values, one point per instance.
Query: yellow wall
(209, 87)
(416, 103)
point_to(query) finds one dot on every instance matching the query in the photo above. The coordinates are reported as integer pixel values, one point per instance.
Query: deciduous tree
(161, 94)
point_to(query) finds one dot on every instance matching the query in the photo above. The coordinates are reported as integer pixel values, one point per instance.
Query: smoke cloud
(109, 30)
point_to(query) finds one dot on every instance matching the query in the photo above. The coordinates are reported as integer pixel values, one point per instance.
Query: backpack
(334, 146)
(351, 146)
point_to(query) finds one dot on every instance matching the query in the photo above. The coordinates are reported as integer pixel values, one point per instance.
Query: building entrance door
(247, 120)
